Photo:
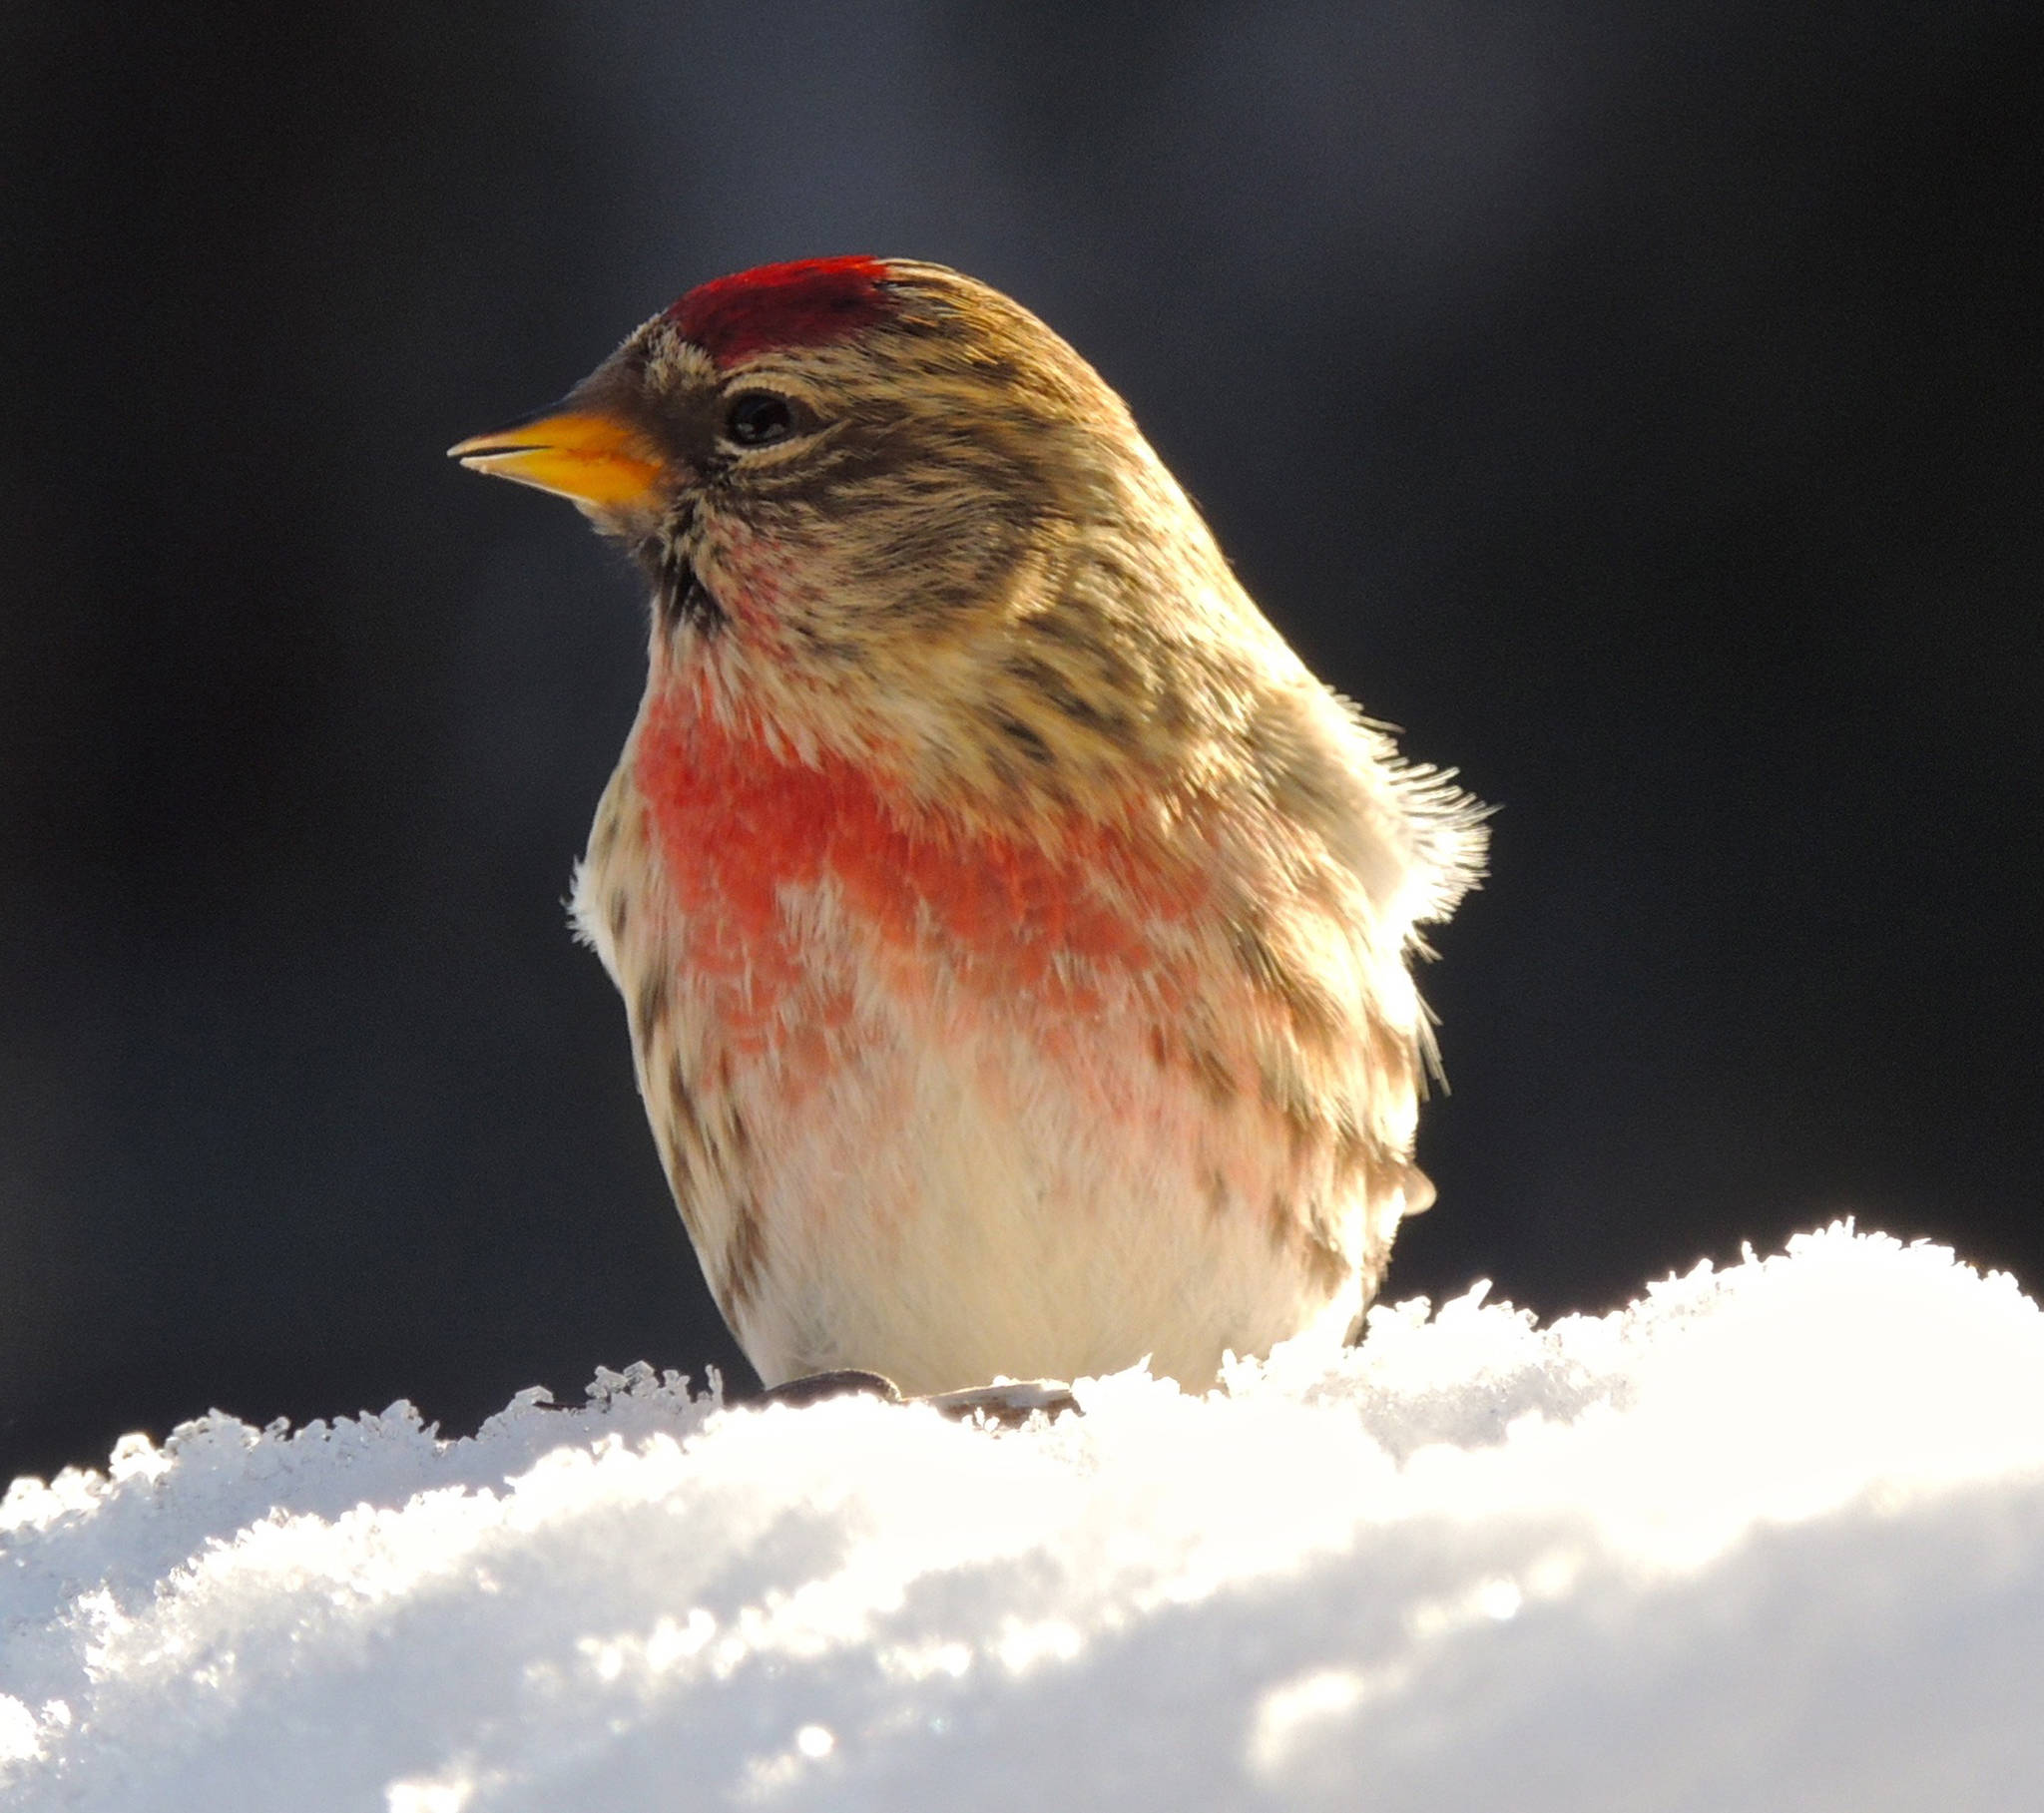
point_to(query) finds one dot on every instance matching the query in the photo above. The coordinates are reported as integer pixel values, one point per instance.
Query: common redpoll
(1015, 935)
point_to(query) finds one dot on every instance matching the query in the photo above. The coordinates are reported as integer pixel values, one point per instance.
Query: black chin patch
(684, 599)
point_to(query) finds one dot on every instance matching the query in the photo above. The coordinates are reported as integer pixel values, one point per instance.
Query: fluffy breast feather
(844, 1009)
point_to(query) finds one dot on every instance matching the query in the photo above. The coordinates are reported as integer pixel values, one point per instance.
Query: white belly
(953, 1207)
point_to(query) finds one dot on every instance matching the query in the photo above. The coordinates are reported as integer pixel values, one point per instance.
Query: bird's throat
(680, 599)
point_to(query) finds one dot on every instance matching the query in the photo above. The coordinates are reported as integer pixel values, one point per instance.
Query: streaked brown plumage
(1014, 934)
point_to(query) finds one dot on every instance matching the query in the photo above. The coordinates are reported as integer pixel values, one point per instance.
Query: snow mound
(1771, 1538)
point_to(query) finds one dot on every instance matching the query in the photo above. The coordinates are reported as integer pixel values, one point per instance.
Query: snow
(1770, 1538)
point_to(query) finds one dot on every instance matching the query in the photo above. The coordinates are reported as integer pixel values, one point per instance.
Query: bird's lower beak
(580, 453)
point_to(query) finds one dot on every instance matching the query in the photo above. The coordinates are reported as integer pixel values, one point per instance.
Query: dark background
(1638, 402)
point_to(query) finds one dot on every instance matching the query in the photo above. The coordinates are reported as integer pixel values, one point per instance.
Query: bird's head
(880, 493)
(820, 454)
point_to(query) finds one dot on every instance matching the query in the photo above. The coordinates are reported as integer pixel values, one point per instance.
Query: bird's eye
(758, 418)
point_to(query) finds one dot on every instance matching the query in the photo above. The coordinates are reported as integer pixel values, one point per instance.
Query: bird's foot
(1008, 1402)
(814, 1387)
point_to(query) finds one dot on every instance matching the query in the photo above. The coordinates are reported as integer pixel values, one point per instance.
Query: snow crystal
(1771, 1538)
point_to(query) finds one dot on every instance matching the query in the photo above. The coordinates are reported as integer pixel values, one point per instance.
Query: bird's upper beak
(582, 454)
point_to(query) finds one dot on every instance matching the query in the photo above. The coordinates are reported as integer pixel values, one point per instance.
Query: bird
(1016, 938)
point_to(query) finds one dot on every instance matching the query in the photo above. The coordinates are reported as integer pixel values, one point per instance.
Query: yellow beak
(580, 454)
